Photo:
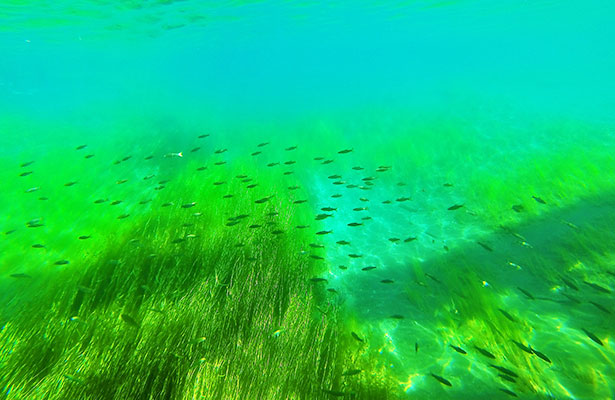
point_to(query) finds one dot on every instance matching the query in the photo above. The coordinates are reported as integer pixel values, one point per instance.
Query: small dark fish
(433, 278)
(334, 176)
(507, 378)
(178, 240)
(394, 240)
(342, 242)
(116, 202)
(263, 200)
(318, 280)
(539, 200)
(316, 257)
(507, 315)
(99, 201)
(442, 380)
(358, 168)
(339, 182)
(168, 204)
(523, 347)
(203, 168)
(570, 284)
(302, 226)
(592, 336)
(84, 237)
(368, 268)
(232, 223)
(484, 246)
(600, 307)
(402, 199)
(355, 224)
(359, 209)
(121, 181)
(195, 149)
(145, 201)
(327, 162)
(387, 280)
(455, 207)
(345, 151)
(81, 147)
(458, 349)
(448, 185)
(273, 164)
(129, 320)
(43, 198)
(272, 214)
(148, 177)
(369, 178)
(504, 370)
(540, 355)
(322, 216)
(328, 209)
(148, 157)
(351, 186)
(294, 187)
(189, 205)
(38, 246)
(299, 201)
(597, 287)
(508, 392)
(255, 226)
(355, 255)
(61, 262)
(227, 196)
(32, 189)
(528, 294)
(485, 352)
(410, 239)
(203, 136)
(351, 372)
(70, 183)
(290, 162)
(323, 232)
(220, 163)
(252, 186)
(126, 158)
(290, 148)
(416, 347)
(318, 158)
(518, 208)
(336, 196)
(27, 163)
(262, 144)
(218, 183)
(387, 202)
(356, 337)
(277, 232)
(317, 246)
(25, 173)
(256, 153)
(220, 151)
(123, 216)
(20, 276)
(159, 187)
(343, 267)
(397, 316)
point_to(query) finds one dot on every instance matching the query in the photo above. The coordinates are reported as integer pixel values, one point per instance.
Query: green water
(462, 148)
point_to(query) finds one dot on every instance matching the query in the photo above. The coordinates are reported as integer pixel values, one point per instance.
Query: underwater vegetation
(298, 200)
(199, 274)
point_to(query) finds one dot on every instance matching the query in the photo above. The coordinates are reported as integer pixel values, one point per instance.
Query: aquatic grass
(175, 305)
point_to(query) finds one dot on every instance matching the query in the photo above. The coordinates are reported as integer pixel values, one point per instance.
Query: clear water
(504, 108)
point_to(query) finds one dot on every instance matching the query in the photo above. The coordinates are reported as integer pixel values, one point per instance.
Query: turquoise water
(478, 171)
